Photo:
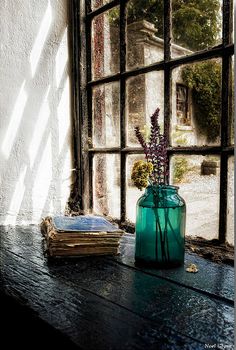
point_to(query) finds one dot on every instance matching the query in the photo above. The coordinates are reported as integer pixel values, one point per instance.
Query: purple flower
(155, 150)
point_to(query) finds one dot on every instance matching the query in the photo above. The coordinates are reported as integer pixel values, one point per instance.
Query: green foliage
(180, 169)
(205, 81)
(114, 15)
(195, 23)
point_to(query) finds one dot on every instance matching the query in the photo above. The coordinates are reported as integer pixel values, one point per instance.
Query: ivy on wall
(205, 81)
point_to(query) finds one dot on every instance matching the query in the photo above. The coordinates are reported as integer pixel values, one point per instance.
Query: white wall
(35, 150)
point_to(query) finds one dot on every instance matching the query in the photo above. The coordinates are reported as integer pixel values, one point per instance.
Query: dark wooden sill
(212, 250)
(109, 302)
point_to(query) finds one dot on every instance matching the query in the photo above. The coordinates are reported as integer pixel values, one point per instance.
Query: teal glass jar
(160, 226)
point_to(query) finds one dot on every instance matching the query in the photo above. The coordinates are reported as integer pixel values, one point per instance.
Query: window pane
(98, 3)
(105, 43)
(196, 104)
(232, 103)
(233, 19)
(144, 33)
(144, 94)
(230, 211)
(132, 193)
(106, 184)
(196, 25)
(198, 180)
(106, 115)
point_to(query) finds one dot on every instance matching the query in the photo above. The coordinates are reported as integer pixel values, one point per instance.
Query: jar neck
(160, 188)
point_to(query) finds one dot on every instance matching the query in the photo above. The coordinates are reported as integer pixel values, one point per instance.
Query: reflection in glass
(132, 193)
(106, 184)
(232, 103)
(98, 3)
(105, 43)
(230, 211)
(196, 104)
(196, 25)
(106, 115)
(199, 183)
(144, 33)
(144, 94)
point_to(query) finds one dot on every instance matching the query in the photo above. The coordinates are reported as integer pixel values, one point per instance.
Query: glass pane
(105, 44)
(199, 184)
(232, 104)
(144, 32)
(106, 184)
(98, 3)
(233, 19)
(196, 104)
(144, 94)
(196, 25)
(132, 193)
(106, 115)
(230, 211)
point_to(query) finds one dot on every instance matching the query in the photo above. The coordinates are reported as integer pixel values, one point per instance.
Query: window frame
(81, 20)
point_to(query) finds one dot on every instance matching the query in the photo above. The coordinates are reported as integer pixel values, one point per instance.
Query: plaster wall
(35, 118)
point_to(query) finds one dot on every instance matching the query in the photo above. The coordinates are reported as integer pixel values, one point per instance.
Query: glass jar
(160, 226)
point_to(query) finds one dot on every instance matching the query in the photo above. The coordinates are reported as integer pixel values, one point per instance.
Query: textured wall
(35, 149)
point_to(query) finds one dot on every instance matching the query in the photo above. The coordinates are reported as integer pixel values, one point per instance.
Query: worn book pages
(80, 235)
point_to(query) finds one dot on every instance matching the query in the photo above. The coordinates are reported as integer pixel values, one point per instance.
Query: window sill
(109, 302)
(211, 250)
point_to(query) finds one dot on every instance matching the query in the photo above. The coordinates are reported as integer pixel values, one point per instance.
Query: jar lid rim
(164, 186)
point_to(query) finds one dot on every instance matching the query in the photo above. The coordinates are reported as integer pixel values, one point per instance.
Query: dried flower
(192, 268)
(155, 150)
(140, 173)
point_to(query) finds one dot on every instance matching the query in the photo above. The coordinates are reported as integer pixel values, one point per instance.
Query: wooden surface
(109, 302)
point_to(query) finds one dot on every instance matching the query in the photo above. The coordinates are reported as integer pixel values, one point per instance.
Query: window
(182, 105)
(129, 57)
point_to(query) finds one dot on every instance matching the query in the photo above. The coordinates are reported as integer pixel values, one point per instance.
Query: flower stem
(165, 232)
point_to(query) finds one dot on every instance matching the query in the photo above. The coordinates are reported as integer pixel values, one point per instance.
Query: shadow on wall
(35, 149)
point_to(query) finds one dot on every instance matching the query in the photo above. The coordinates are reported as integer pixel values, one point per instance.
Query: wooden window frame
(81, 16)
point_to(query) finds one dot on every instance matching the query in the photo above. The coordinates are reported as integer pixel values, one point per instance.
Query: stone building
(145, 92)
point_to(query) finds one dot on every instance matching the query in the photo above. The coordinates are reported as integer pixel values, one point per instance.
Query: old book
(82, 251)
(80, 235)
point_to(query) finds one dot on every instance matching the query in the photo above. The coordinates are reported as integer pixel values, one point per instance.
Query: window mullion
(167, 30)
(225, 119)
(88, 32)
(75, 47)
(122, 111)
(227, 27)
(167, 70)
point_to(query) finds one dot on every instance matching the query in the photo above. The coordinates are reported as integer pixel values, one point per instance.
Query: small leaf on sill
(192, 268)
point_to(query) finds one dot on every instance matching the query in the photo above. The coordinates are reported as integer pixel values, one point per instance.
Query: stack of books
(80, 235)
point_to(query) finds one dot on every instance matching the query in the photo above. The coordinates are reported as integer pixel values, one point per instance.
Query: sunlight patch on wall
(39, 128)
(40, 39)
(42, 181)
(61, 57)
(63, 114)
(16, 200)
(15, 120)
